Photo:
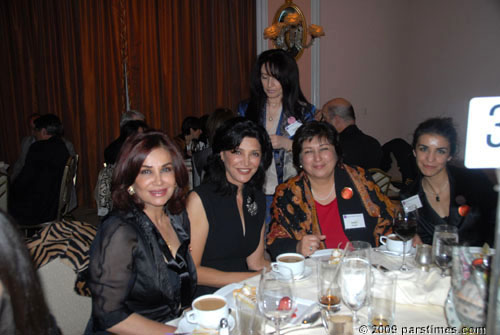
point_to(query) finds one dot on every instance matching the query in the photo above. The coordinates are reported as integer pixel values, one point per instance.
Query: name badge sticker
(292, 128)
(354, 221)
(412, 201)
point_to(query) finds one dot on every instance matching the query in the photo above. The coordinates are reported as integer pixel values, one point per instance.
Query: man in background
(357, 147)
(26, 142)
(35, 192)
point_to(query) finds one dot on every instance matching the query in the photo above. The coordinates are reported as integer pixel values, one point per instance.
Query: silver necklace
(325, 198)
(438, 199)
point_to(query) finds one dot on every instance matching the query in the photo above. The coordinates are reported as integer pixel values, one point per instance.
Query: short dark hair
(439, 126)
(215, 120)
(191, 122)
(282, 66)
(51, 123)
(133, 154)
(310, 130)
(228, 137)
(132, 127)
(20, 281)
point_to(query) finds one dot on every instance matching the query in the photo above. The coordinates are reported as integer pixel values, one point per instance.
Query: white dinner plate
(383, 248)
(187, 327)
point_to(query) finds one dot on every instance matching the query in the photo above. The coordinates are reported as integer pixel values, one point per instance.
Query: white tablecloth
(408, 316)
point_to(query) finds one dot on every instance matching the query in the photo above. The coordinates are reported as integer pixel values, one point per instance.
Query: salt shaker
(224, 327)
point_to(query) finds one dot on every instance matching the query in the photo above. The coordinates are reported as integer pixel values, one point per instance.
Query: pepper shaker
(224, 327)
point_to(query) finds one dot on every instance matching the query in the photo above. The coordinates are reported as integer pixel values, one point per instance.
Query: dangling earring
(300, 166)
(131, 190)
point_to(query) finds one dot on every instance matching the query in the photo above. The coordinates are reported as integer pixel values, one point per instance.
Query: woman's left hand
(281, 142)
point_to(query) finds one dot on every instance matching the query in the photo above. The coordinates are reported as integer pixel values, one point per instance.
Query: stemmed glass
(275, 295)
(354, 279)
(405, 227)
(445, 237)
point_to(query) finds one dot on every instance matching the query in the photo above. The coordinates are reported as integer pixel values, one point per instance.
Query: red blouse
(331, 226)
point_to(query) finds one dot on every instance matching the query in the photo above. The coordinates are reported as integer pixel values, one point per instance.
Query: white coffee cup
(208, 310)
(295, 262)
(393, 243)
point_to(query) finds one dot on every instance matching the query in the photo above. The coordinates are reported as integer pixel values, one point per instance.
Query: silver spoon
(307, 322)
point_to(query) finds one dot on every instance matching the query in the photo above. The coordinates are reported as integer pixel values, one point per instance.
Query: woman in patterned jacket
(328, 203)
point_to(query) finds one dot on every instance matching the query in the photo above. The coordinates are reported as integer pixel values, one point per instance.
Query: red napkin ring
(464, 210)
(346, 193)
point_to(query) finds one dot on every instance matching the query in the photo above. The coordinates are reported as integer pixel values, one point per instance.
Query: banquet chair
(381, 178)
(68, 182)
(60, 253)
(3, 192)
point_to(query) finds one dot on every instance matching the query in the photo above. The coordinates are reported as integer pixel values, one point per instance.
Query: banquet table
(410, 318)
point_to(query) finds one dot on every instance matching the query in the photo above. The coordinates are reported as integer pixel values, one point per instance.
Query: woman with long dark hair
(141, 271)
(22, 305)
(278, 104)
(227, 211)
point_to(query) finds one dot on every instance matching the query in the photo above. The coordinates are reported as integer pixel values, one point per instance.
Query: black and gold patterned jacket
(294, 213)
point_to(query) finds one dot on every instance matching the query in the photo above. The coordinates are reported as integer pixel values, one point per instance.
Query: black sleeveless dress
(227, 248)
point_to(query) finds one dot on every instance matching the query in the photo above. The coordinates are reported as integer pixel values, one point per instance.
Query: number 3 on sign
(482, 149)
(488, 138)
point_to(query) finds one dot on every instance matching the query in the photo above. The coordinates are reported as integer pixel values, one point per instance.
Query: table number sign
(482, 148)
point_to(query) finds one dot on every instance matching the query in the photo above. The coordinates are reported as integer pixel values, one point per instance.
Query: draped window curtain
(183, 57)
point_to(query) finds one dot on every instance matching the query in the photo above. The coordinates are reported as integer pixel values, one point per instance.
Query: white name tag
(354, 221)
(412, 201)
(292, 128)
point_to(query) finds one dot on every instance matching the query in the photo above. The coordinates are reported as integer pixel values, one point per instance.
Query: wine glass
(405, 227)
(275, 295)
(354, 281)
(445, 237)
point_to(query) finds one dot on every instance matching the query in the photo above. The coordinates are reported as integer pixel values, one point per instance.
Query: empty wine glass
(405, 228)
(354, 281)
(445, 237)
(275, 295)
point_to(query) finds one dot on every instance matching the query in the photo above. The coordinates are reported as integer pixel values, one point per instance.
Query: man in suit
(35, 192)
(357, 147)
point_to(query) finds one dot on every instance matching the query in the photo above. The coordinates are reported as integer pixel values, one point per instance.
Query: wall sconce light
(289, 30)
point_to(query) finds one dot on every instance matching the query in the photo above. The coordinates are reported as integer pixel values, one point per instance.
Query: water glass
(248, 319)
(383, 300)
(423, 257)
(275, 296)
(444, 239)
(354, 281)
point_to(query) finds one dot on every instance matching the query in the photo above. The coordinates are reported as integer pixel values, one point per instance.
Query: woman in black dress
(141, 271)
(445, 194)
(227, 211)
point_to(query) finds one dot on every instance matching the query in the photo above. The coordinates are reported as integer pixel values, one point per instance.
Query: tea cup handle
(383, 239)
(191, 317)
(275, 266)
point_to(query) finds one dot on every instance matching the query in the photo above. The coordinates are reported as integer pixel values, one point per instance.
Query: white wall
(402, 61)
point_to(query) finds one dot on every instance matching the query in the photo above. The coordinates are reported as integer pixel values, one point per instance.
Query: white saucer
(383, 248)
(187, 327)
(307, 272)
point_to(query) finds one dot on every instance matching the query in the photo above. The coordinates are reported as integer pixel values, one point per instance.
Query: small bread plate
(187, 327)
(304, 306)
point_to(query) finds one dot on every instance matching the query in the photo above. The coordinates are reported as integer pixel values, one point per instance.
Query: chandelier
(289, 30)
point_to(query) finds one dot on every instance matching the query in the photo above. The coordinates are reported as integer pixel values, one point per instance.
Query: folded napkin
(418, 287)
